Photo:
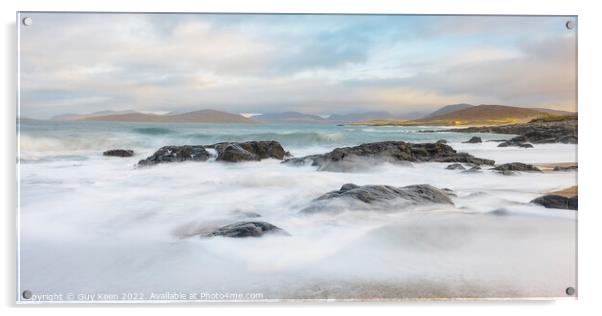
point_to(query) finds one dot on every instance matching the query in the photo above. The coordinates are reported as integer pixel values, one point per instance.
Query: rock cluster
(348, 158)
(228, 152)
(538, 132)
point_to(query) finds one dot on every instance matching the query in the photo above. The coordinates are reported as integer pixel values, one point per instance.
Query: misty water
(95, 224)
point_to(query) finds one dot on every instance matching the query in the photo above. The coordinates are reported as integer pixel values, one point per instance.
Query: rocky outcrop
(176, 154)
(379, 196)
(246, 229)
(557, 201)
(349, 158)
(442, 141)
(455, 166)
(536, 132)
(474, 140)
(228, 152)
(516, 166)
(119, 153)
(248, 151)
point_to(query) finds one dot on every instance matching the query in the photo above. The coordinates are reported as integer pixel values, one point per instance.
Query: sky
(317, 64)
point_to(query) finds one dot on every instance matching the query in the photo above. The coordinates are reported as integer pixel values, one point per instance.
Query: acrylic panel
(176, 157)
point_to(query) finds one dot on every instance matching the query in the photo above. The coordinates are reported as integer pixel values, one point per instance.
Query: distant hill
(75, 117)
(489, 112)
(554, 112)
(448, 109)
(484, 114)
(202, 116)
(290, 117)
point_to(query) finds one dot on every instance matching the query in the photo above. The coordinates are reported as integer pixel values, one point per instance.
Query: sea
(90, 224)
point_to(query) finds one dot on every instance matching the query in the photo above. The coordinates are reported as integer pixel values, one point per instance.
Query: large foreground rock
(176, 154)
(249, 151)
(246, 229)
(353, 158)
(516, 166)
(119, 153)
(379, 196)
(557, 201)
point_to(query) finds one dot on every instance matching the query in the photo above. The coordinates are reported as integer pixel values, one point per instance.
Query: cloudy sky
(319, 64)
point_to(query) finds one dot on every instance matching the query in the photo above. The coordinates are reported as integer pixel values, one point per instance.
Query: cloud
(319, 64)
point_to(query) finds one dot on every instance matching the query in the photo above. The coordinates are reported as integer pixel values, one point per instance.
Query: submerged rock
(455, 166)
(249, 151)
(474, 140)
(515, 143)
(442, 141)
(516, 166)
(119, 153)
(379, 196)
(474, 169)
(351, 158)
(246, 229)
(176, 154)
(567, 168)
(557, 201)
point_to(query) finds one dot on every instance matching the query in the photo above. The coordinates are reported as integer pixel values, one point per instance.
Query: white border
(590, 116)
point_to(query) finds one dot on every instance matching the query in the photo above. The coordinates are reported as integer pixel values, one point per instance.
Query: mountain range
(454, 114)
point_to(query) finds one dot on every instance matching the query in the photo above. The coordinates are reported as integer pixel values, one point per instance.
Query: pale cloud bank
(319, 64)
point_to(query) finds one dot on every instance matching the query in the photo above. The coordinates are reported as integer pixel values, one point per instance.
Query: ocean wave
(152, 130)
(295, 138)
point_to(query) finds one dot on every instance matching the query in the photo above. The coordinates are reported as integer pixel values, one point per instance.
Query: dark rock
(455, 166)
(119, 153)
(442, 141)
(234, 153)
(450, 192)
(176, 154)
(516, 166)
(515, 143)
(379, 195)
(557, 201)
(246, 229)
(567, 168)
(474, 169)
(350, 158)
(474, 140)
(248, 151)
(500, 212)
(537, 132)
